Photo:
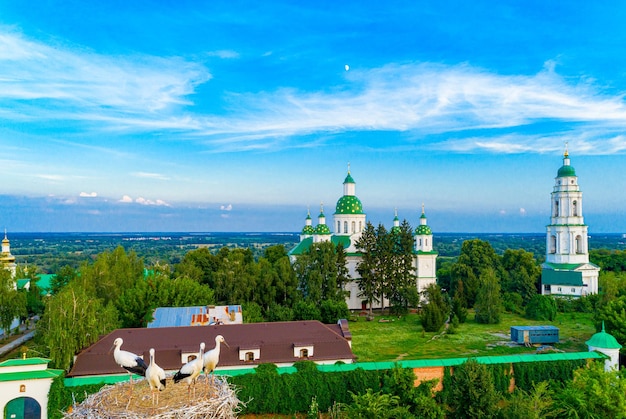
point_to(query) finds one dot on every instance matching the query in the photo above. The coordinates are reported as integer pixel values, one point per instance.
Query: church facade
(348, 223)
(567, 271)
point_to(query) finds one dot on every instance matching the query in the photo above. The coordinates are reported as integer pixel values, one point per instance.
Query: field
(389, 338)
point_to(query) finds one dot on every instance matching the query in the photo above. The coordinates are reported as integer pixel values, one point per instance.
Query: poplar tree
(12, 302)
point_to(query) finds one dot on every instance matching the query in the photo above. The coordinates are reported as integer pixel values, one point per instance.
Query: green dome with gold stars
(308, 230)
(423, 230)
(322, 229)
(349, 204)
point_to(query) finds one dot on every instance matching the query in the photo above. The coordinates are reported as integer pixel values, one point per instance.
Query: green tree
(378, 405)
(472, 392)
(541, 307)
(435, 310)
(368, 281)
(521, 273)
(459, 304)
(488, 300)
(73, 320)
(613, 314)
(12, 302)
(534, 404)
(593, 393)
(63, 276)
(401, 288)
(477, 256)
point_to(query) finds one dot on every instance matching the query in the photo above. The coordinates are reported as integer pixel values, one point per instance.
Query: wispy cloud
(145, 175)
(88, 195)
(473, 106)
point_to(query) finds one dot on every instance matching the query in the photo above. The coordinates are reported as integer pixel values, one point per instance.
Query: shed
(534, 334)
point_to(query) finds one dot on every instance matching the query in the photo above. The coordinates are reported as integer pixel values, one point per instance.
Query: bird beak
(226, 344)
(111, 350)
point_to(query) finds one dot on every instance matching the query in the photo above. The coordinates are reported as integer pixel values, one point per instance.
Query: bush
(541, 307)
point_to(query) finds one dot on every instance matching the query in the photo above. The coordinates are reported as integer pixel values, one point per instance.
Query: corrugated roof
(30, 375)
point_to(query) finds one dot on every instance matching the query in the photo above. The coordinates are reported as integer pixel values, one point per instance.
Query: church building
(349, 221)
(567, 271)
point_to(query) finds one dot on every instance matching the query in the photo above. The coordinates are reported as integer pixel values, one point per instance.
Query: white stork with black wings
(189, 372)
(131, 362)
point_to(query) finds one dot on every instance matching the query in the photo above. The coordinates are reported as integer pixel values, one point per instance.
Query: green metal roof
(349, 179)
(603, 340)
(21, 283)
(349, 204)
(566, 278)
(305, 245)
(562, 266)
(16, 362)
(308, 230)
(566, 171)
(30, 375)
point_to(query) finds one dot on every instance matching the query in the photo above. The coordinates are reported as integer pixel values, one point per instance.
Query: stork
(131, 362)
(156, 377)
(189, 372)
(212, 357)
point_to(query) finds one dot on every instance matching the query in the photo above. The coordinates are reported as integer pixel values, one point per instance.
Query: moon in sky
(347, 67)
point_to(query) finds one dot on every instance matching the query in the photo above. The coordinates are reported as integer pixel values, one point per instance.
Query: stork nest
(217, 400)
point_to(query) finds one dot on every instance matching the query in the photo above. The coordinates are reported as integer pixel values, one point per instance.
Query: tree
(72, 320)
(472, 393)
(613, 314)
(368, 280)
(64, 276)
(401, 288)
(521, 273)
(12, 302)
(541, 307)
(488, 301)
(535, 404)
(593, 393)
(436, 309)
(476, 257)
(459, 304)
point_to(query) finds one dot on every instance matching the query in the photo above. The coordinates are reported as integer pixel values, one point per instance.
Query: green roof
(44, 282)
(21, 283)
(603, 340)
(322, 229)
(28, 361)
(562, 266)
(30, 375)
(423, 230)
(308, 230)
(305, 245)
(349, 204)
(349, 179)
(565, 171)
(566, 278)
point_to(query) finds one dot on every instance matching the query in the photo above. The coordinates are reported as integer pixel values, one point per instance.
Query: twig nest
(215, 400)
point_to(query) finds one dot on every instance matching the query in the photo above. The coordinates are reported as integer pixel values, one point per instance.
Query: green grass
(404, 339)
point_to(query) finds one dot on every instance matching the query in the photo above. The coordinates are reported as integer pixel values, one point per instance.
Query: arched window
(552, 244)
(420, 242)
(249, 356)
(425, 242)
(304, 353)
(360, 225)
(338, 227)
(579, 244)
(575, 208)
(556, 208)
(345, 227)
(353, 227)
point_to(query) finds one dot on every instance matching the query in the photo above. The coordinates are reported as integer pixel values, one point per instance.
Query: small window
(546, 287)
(560, 289)
(573, 289)
(338, 227)
(249, 356)
(304, 353)
(353, 227)
(345, 226)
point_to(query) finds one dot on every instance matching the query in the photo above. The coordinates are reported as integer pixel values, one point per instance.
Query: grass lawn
(395, 339)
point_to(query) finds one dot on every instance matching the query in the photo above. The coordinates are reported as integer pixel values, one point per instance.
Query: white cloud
(88, 194)
(147, 175)
(224, 54)
(158, 202)
(228, 207)
(522, 212)
(126, 199)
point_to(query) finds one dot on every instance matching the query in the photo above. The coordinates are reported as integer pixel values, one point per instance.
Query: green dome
(603, 340)
(322, 229)
(423, 230)
(565, 171)
(308, 230)
(349, 204)
(349, 179)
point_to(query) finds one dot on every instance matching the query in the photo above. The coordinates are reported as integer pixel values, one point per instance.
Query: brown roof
(275, 340)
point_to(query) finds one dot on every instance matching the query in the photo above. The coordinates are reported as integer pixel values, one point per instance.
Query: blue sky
(238, 116)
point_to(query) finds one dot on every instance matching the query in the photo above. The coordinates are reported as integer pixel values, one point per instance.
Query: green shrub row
(529, 373)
